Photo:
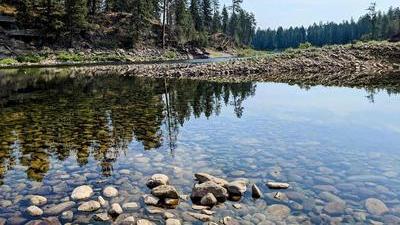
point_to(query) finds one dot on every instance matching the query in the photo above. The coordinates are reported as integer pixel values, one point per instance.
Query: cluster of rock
(368, 64)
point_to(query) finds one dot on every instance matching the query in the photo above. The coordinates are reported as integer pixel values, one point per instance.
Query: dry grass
(8, 10)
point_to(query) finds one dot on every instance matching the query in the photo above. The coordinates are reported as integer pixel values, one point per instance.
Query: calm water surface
(337, 147)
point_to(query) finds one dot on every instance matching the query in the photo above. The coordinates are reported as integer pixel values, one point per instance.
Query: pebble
(150, 200)
(57, 209)
(110, 192)
(334, 208)
(230, 221)
(34, 211)
(205, 177)
(172, 222)
(144, 222)
(82, 192)
(199, 216)
(129, 206)
(376, 206)
(101, 217)
(102, 202)
(67, 215)
(38, 200)
(277, 185)
(278, 211)
(236, 187)
(115, 209)
(130, 220)
(89, 206)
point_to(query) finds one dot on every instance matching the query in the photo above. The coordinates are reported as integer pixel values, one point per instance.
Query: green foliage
(249, 52)
(201, 39)
(8, 61)
(69, 57)
(305, 45)
(31, 58)
(169, 54)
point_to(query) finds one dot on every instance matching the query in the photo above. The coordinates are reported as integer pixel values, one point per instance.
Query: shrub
(8, 61)
(305, 45)
(32, 58)
(169, 54)
(69, 57)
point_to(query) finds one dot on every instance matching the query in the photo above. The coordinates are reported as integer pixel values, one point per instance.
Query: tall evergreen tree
(225, 20)
(207, 14)
(76, 13)
(196, 15)
(216, 21)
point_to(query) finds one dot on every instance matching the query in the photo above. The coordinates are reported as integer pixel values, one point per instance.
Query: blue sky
(274, 13)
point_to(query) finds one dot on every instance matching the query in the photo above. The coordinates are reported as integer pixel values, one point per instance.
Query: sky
(286, 13)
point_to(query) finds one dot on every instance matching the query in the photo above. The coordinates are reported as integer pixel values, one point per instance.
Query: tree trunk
(164, 22)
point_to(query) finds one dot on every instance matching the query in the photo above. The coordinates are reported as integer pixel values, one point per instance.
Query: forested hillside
(374, 25)
(129, 23)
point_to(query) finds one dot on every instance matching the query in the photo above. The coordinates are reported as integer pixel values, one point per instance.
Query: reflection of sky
(274, 13)
(326, 105)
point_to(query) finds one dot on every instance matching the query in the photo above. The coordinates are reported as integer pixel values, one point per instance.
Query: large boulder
(201, 190)
(237, 188)
(204, 177)
(165, 191)
(157, 180)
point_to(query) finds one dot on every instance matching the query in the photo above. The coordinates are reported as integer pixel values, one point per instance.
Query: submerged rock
(172, 222)
(82, 192)
(110, 192)
(101, 217)
(144, 222)
(376, 206)
(38, 200)
(277, 185)
(199, 216)
(230, 221)
(278, 211)
(157, 180)
(334, 208)
(150, 200)
(165, 191)
(34, 211)
(89, 206)
(115, 210)
(57, 209)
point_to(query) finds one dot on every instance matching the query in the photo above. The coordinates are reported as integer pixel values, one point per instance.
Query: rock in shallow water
(150, 200)
(277, 185)
(38, 200)
(34, 211)
(278, 211)
(255, 191)
(101, 217)
(115, 210)
(57, 209)
(110, 192)
(334, 208)
(376, 206)
(172, 222)
(144, 222)
(157, 180)
(236, 187)
(165, 191)
(204, 177)
(82, 192)
(89, 206)
(200, 190)
(209, 200)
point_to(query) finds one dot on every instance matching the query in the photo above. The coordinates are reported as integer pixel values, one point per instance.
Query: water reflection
(51, 114)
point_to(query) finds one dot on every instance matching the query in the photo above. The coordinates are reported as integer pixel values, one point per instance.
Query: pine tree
(196, 15)
(184, 22)
(142, 13)
(207, 14)
(225, 20)
(76, 13)
(216, 21)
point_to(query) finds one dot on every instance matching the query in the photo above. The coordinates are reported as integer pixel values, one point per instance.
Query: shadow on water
(47, 114)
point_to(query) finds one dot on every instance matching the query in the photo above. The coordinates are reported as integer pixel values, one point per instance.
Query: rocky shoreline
(351, 65)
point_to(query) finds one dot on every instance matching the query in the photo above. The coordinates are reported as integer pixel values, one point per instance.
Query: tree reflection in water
(50, 113)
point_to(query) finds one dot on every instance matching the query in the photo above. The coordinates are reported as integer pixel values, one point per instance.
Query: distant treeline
(178, 20)
(374, 25)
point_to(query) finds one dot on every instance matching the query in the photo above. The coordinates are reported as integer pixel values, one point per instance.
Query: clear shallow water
(331, 144)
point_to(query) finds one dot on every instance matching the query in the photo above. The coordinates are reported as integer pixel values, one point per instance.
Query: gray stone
(165, 191)
(334, 208)
(205, 177)
(101, 217)
(110, 192)
(82, 192)
(199, 216)
(150, 200)
(277, 185)
(38, 200)
(376, 206)
(130, 220)
(209, 200)
(115, 210)
(172, 222)
(67, 215)
(102, 202)
(34, 211)
(200, 190)
(157, 180)
(144, 222)
(89, 206)
(230, 221)
(236, 187)
(57, 209)
(129, 206)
